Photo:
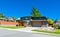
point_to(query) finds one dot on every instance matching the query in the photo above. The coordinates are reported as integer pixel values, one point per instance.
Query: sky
(19, 8)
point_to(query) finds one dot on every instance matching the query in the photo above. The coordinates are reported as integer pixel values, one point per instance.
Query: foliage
(56, 31)
(12, 27)
(50, 21)
(2, 15)
(55, 25)
(35, 12)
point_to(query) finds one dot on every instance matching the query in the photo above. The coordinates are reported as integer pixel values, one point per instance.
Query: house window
(44, 23)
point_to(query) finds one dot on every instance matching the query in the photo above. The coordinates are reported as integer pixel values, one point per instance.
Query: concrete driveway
(12, 33)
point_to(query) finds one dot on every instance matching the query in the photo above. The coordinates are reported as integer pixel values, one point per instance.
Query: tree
(2, 15)
(50, 21)
(35, 12)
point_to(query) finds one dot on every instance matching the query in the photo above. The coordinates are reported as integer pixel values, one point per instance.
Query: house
(10, 19)
(34, 21)
(7, 22)
(57, 22)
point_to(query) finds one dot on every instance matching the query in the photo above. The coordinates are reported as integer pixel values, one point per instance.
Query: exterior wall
(24, 23)
(58, 23)
(20, 23)
(6, 23)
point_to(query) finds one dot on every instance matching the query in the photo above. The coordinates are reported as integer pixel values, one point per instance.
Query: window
(44, 23)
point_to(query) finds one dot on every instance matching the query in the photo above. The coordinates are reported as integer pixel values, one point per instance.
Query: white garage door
(36, 25)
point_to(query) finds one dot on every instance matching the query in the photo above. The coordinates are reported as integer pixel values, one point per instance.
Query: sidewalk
(27, 29)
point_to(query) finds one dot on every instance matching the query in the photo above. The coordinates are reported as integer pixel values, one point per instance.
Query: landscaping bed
(56, 31)
(11, 27)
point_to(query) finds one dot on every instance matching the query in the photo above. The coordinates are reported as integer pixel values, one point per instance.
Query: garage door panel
(36, 25)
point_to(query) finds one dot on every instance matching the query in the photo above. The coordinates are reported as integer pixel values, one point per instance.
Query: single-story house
(34, 21)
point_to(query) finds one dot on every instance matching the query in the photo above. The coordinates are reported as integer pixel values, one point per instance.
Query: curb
(46, 33)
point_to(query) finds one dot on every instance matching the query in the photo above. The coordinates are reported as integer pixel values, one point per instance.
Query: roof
(2, 18)
(31, 17)
(37, 20)
(18, 19)
(40, 17)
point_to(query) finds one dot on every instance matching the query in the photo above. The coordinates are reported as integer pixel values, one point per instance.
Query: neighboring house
(57, 22)
(10, 19)
(7, 22)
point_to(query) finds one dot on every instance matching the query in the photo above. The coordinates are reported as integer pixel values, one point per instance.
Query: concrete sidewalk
(27, 29)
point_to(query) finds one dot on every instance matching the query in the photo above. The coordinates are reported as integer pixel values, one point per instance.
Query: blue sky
(18, 8)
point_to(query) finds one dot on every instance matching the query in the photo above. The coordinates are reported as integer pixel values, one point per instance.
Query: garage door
(36, 25)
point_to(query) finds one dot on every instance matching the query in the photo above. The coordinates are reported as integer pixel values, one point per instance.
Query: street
(11, 33)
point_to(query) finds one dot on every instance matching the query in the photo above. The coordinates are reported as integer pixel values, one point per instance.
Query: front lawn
(57, 31)
(11, 27)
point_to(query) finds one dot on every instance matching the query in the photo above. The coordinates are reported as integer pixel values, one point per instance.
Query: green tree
(2, 15)
(35, 12)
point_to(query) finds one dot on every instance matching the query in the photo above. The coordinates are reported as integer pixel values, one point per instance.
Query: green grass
(11, 27)
(57, 31)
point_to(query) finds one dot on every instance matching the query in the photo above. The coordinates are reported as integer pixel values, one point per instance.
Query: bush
(55, 25)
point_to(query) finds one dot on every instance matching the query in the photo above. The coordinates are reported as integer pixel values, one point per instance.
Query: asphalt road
(10, 33)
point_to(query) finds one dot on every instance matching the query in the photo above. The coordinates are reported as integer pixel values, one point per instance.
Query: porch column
(30, 23)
